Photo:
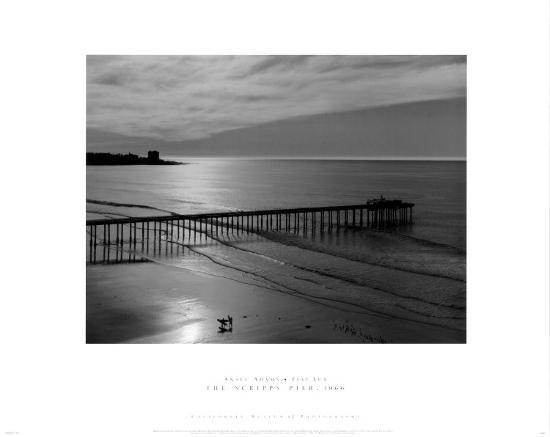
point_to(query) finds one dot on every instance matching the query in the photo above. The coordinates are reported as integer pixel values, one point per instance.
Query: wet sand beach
(154, 303)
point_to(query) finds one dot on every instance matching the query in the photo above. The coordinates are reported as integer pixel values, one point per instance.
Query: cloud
(274, 63)
(175, 98)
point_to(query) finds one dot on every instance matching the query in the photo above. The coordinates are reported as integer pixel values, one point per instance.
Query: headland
(152, 158)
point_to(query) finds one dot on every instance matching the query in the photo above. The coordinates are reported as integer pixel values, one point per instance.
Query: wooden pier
(376, 213)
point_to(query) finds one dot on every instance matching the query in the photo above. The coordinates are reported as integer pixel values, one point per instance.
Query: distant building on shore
(153, 155)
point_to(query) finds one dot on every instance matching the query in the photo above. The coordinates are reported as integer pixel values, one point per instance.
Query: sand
(148, 302)
(152, 303)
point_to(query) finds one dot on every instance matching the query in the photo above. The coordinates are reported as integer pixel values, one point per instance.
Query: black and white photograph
(276, 199)
(284, 219)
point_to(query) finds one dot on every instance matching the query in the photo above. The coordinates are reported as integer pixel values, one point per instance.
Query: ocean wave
(107, 214)
(341, 277)
(128, 205)
(306, 244)
(427, 242)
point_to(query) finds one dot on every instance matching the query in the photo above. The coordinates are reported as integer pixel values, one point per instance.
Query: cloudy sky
(180, 98)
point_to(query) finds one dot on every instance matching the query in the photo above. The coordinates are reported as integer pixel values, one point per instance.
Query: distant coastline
(152, 158)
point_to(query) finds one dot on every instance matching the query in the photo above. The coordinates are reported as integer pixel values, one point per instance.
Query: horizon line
(325, 158)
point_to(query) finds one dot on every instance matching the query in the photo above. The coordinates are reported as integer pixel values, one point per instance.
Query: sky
(188, 98)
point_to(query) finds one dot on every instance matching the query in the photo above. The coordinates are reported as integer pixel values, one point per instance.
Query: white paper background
(54, 384)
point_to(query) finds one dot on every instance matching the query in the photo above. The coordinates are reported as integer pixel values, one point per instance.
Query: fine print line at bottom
(275, 431)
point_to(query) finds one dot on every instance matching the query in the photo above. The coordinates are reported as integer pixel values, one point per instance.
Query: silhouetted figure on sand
(226, 324)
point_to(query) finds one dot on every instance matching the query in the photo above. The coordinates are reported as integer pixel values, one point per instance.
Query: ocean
(410, 274)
